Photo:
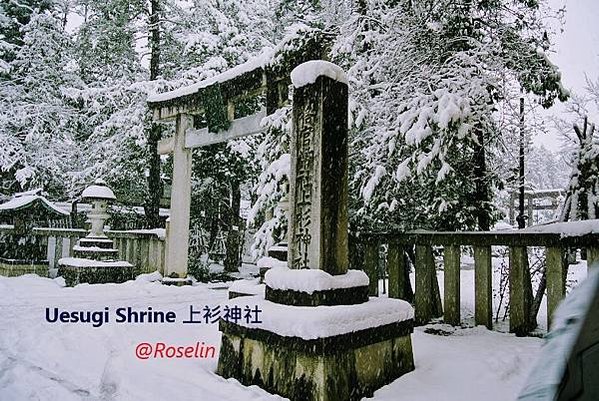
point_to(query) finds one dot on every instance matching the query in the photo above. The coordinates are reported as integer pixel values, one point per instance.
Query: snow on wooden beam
(481, 238)
(239, 128)
(195, 138)
(256, 64)
(190, 100)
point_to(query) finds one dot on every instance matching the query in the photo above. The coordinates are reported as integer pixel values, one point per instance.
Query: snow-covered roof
(307, 73)
(24, 201)
(36, 191)
(253, 64)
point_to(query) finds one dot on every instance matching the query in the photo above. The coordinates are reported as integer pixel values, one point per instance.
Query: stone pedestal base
(312, 336)
(345, 367)
(279, 251)
(242, 288)
(95, 263)
(13, 268)
(77, 270)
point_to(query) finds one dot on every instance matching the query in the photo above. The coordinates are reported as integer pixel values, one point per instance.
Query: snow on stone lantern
(95, 258)
(100, 195)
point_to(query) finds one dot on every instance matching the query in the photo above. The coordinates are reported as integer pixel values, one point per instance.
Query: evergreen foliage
(430, 83)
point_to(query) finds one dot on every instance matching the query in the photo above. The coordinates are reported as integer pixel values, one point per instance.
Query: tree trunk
(536, 300)
(213, 231)
(154, 131)
(481, 191)
(410, 261)
(232, 260)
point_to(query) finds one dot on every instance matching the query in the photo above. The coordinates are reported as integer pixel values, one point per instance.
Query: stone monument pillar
(318, 337)
(318, 224)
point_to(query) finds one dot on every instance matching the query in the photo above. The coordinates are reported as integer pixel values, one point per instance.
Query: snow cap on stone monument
(98, 190)
(307, 73)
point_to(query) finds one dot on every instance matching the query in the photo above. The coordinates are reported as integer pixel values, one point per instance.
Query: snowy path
(46, 362)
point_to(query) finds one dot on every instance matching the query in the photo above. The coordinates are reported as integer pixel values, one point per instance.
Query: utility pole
(521, 219)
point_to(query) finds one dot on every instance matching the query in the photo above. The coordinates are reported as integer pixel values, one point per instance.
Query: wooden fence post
(57, 251)
(396, 265)
(451, 262)
(427, 298)
(519, 300)
(556, 286)
(371, 261)
(483, 292)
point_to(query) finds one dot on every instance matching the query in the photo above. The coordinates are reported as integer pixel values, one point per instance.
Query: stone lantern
(95, 257)
(100, 195)
(279, 250)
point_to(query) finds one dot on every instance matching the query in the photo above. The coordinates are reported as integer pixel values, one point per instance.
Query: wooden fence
(145, 249)
(425, 304)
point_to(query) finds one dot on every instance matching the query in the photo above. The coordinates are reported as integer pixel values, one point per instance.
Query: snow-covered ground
(467, 365)
(67, 361)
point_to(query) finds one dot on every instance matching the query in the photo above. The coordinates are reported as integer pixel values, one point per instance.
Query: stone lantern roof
(98, 190)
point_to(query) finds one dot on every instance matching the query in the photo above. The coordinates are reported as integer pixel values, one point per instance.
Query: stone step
(278, 251)
(95, 253)
(97, 242)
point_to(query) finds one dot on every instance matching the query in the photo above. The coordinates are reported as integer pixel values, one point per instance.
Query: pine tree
(106, 41)
(428, 78)
(113, 114)
(582, 202)
(14, 16)
(39, 125)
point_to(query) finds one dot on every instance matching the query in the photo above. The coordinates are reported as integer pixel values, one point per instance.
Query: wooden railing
(428, 306)
(145, 249)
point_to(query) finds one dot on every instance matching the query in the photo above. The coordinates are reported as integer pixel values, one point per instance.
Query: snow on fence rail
(142, 248)
(427, 299)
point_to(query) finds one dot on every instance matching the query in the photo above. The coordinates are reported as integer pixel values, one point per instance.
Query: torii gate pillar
(178, 232)
(180, 145)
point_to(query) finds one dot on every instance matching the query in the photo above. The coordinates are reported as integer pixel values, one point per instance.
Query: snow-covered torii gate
(215, 100)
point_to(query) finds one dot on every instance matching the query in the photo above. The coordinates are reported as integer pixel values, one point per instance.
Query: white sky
(578, 45)
(577, 53)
